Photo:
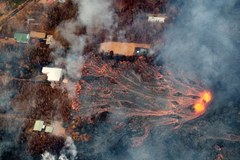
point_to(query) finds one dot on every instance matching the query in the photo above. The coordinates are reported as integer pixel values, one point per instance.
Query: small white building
(49, 129)
(53, 74)
(159, 18)
(49, 39)
(38, 126)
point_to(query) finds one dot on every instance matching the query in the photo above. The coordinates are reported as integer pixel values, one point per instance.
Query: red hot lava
(201, 104)
(139, 91)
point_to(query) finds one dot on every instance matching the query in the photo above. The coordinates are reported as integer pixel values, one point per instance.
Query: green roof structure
(21, 37)
(38, 126)
(48, 129)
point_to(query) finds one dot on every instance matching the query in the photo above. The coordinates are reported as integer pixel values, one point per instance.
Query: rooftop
(49, 39)
(21, 37)
(39, 35)
(122, 48)
(157, 18)
(38, 126)
(53, 74)
(49, 129)
(7, 40)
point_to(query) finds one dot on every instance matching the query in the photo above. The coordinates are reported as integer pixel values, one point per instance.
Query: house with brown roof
(124, 48)
(37, 37)
(8, 41)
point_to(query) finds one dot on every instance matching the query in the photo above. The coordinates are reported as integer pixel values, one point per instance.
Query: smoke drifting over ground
(92, 14)
(203, 42)
(69, 152)
(95, 13)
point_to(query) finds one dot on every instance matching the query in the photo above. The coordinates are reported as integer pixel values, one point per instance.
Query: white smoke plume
(48, 156)
(68, 152)
(202, 42)
(95, 13)
(92, 14)
(74, 64)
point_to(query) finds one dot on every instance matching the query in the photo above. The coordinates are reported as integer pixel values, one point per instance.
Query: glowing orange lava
(201, 105)
(206, 96)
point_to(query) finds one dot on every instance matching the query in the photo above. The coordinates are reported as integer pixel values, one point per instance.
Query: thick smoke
(48, 156)
(95, 13)
(92, 14)
(69, 151)
(203, 42)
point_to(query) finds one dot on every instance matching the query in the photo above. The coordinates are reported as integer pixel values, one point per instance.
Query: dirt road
(4, 19)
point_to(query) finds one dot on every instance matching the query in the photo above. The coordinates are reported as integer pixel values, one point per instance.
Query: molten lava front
(201, 105)
(206, 96)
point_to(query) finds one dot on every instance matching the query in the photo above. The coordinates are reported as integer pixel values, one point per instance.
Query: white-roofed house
(160, 18)
(49, 129)
(49, 39)
(38, 126)
(53, 74)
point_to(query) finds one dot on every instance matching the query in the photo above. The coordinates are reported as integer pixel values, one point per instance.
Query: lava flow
(201, 105)
(143, 94)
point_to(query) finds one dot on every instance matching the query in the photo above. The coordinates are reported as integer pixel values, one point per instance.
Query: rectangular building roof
(122, 48)
(8, 41)
(49, 129)
(49, 39)
(53, 74)
(157, 18)
(21, 37)
(38, 126)
(39, 35)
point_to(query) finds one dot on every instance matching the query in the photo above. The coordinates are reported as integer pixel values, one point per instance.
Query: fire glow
(201, 105)
(148, 95)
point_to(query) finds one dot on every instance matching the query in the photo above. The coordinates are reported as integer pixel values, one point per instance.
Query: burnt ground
(123, 100)
(120, 104)
(125, 110)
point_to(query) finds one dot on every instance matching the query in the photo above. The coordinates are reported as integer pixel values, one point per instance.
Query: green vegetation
(13, 3)
(18, 2)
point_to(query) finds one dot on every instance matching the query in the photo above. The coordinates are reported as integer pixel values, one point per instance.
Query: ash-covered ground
(126, 108)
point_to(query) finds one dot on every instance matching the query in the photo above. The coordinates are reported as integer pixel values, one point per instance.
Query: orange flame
(206, 96)
(201, 105)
